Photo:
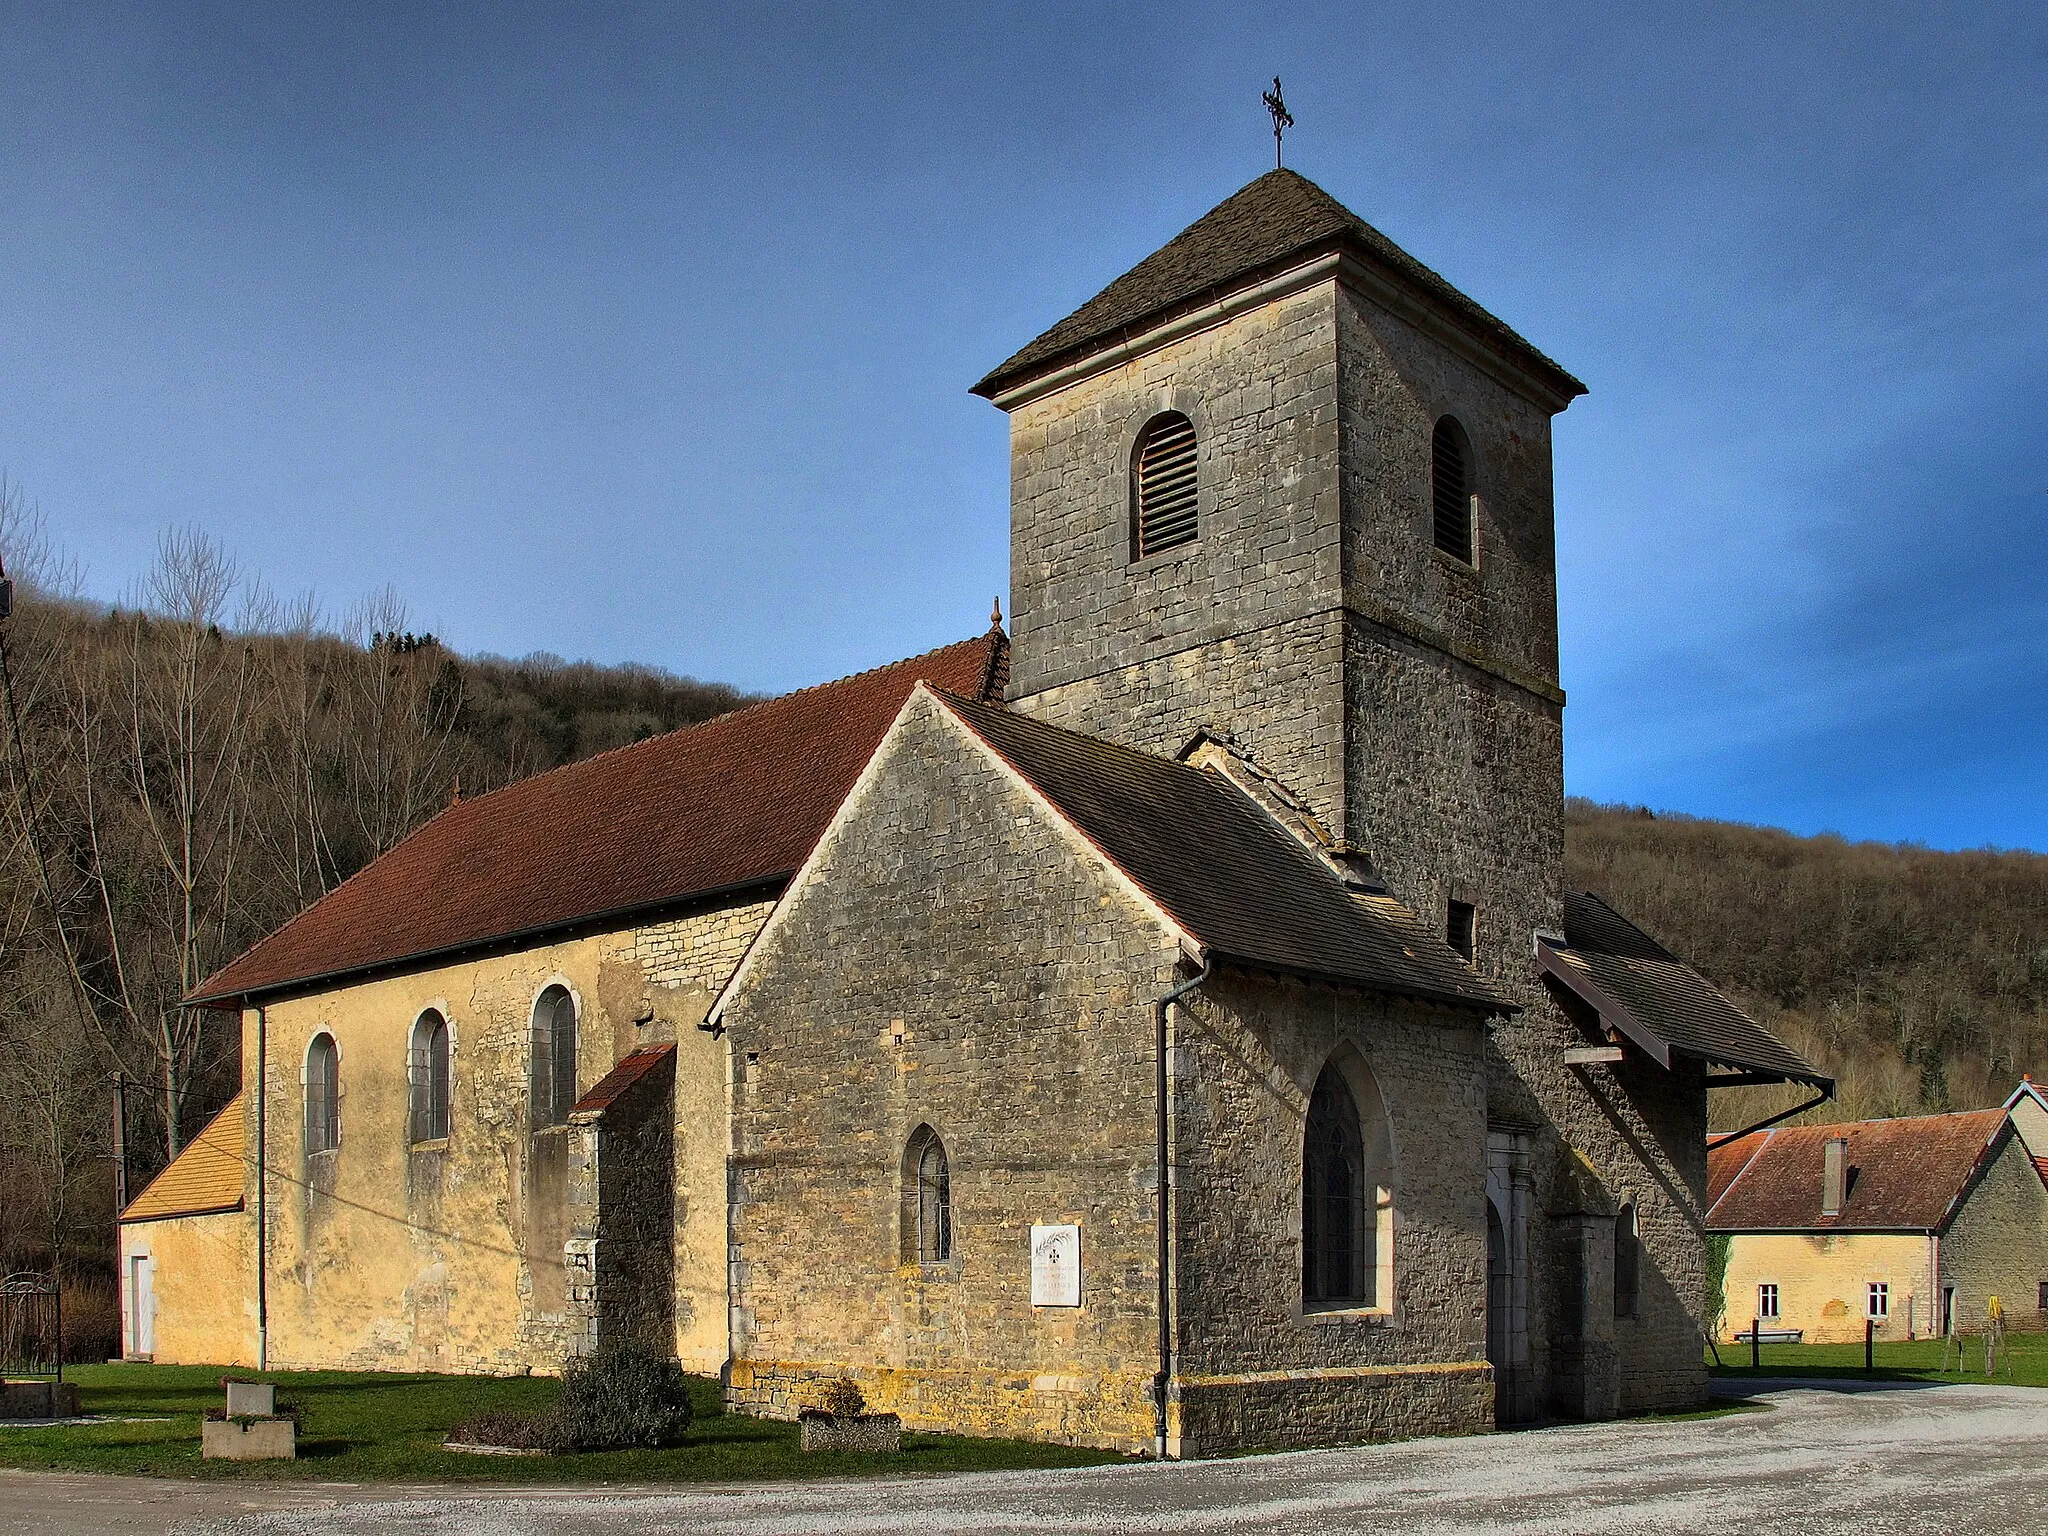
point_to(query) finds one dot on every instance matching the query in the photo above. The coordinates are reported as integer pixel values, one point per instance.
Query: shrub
(516, 1431)
(624, 1395)
(843, 1399)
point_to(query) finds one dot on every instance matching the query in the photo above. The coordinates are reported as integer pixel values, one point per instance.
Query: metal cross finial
(1282, 118)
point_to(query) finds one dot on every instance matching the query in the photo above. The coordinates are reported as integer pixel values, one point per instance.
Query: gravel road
(1953, 1460)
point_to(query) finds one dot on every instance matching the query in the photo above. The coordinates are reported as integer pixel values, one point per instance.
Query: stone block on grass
(868, 1432)
(248, 1440)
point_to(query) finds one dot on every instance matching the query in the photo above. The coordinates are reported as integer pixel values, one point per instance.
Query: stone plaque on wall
(1055, 1266)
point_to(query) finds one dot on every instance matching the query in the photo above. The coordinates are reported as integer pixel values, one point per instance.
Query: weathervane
(1282, 118)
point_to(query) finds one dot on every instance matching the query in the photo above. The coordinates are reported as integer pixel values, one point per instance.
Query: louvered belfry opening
(1163, 486)
(1450, 478)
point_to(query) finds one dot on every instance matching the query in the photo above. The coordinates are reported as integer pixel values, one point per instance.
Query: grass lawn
(1918, 1360)
(373, 1427)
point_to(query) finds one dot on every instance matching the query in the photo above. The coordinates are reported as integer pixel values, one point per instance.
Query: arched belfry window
(1346, 1202)
(323, 1095)
(927, 1200)
(554, 1058)
(428, 1069)
(1163, 491)
(1450, 487)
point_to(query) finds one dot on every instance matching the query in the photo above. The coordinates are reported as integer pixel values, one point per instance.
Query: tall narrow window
(1450, 486)
(1877, 1302)
(1461, 924)
(1333, 1200)
(554, 1058)
(428, 1069)
(1628, 1261)
(1767, 1302)
(1163, 499)
(927, 1200)
(323, 1095)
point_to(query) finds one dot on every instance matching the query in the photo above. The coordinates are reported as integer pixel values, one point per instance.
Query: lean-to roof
(1639, 987)
(202, 1180)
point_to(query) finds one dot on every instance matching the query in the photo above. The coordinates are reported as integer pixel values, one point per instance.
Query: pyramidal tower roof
(1276, 223)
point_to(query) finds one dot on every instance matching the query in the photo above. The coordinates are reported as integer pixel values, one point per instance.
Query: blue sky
(646, 334)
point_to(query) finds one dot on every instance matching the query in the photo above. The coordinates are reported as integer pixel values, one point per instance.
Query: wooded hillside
(180, 774)
(1918, 978)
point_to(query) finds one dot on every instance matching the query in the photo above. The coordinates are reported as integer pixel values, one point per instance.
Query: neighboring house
(1911, 1224)
(857, 1033)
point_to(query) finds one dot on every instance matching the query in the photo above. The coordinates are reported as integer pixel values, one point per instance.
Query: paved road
(1935, 1461)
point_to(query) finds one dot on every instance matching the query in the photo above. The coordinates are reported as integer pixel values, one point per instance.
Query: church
(1162, 1026)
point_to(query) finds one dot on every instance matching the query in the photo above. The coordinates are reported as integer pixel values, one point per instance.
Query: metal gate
(31, 1327)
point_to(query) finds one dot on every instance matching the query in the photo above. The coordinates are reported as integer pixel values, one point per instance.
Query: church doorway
(1507, 1274)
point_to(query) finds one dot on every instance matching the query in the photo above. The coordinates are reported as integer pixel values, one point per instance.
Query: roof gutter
(613, 917)
(1164, 1378)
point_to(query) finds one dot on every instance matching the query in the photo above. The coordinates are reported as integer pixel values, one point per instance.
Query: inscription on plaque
(1056, 1266)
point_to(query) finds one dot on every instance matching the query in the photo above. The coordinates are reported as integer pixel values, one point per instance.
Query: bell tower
(1282, 484)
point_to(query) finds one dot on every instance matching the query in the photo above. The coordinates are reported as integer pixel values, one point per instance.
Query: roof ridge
(718, 719)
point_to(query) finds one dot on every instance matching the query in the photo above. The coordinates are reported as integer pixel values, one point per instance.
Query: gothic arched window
(927, 1200)
(428, 1069)
(1335, 1201)
(323, 1094)
(1450, 488)
(1163, 499)
(554, 1058)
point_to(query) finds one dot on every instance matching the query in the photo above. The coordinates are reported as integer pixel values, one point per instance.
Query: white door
(141, 1306)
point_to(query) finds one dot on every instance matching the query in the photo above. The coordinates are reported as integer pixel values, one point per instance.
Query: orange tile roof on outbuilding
(728, 805)
(204, 1179)
(1905, 1175)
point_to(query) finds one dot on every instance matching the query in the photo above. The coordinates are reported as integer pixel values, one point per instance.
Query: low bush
(622, 1397)
(843, 1399)
(514, 1431)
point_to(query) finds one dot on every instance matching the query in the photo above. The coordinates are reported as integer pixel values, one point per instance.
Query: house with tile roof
(1161, 1027)
(1911, 1225)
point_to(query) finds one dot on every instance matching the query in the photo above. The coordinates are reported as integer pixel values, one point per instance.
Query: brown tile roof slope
(1222, 868)
(736, 800)
(615, 1084)
(1905, 1174)
(1668, 997)
(1276, 222)
(203, 1179)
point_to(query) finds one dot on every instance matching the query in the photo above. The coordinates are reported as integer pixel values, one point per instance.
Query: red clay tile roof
(1907, 1174)
(733, 802)
(613, 1086)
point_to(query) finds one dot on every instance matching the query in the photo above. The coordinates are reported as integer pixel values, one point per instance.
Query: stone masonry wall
(1235, 628)
(622, 1190)
(1998, 1244)
(1258, 1370)
(955, 963)
(450, 1256)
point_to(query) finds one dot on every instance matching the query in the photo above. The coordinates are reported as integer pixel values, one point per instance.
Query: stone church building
(1162, 1027)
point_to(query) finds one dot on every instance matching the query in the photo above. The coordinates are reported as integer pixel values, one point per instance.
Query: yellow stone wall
(1821, 1282)
(204, 1283)
(449, 1257)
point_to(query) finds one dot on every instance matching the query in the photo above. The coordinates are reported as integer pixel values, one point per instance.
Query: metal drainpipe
(262, 1193)
(1165, 1374)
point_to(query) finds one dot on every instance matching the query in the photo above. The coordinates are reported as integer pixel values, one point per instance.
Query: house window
(1163, 499)
(2042, 1298)
(1877, 1305)
(554, 1058)
(1628, 1258)
(428, 1070)
(1461, 929)
(927, 1224)
(1767, 1302)
(1450, 487)
(323, 1095)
